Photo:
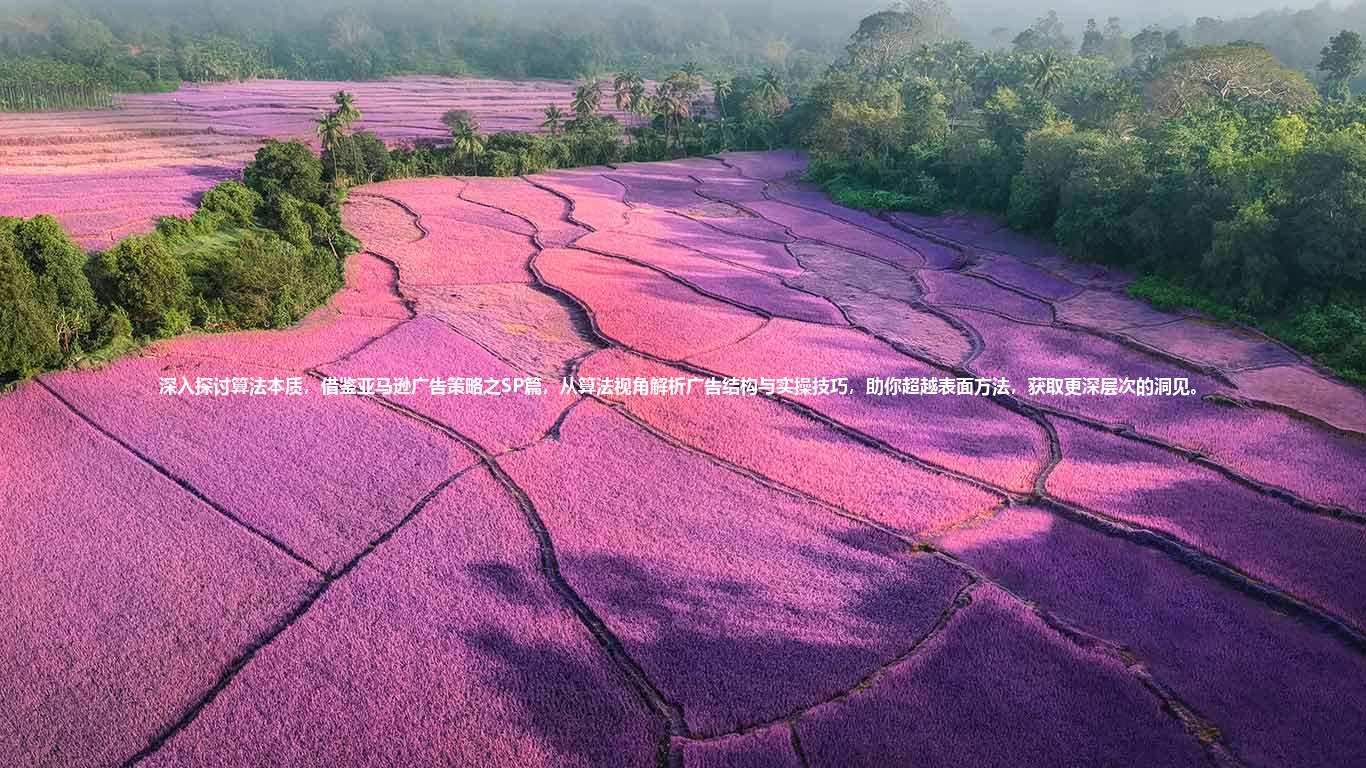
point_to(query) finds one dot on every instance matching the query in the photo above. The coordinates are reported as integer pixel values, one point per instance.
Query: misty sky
(823, 18)
(983, 14)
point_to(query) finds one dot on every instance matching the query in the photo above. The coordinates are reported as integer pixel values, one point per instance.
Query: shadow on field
(736, 651)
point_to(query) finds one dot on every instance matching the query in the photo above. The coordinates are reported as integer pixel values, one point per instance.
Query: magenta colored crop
(742, 603)
(445, 646)
(124, 597)
(1233, 659)
(978, 693)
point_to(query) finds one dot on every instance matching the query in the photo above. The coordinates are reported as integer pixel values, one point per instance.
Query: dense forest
(155, 44)
(1225, 178)
(140, 45)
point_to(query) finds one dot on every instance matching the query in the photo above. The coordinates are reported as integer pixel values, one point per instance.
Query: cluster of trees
(675, 117)
(142, 45)
(258, 254)
(263, 252)
(1295, 37)
(1217, 172)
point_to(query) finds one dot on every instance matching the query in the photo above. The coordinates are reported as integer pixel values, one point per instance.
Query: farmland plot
(677, 548)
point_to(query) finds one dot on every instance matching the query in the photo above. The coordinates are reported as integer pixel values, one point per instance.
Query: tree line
(152, 45)
(1226, 179)
(260, 253)
(265, 251)
(681, 115)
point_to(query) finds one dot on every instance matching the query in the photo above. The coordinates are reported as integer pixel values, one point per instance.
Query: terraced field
(110, 173)
(611, 576)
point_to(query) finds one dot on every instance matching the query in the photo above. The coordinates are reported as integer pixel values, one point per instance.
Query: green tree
(237, 203)
(1050, 72)
(142, 275)
(721, 89)
(623, 87)
(587, 100)
(1242, 75)
(28, 337)
(1092, 41)
(554, 116)
(1325, 207)
(346, 108)
(1341, 61)
(361, 158)
(285, 167)
(1046, 34)
(1246, 253)
(59, 267)
(466, 141)
(331, 130)
(883, 40)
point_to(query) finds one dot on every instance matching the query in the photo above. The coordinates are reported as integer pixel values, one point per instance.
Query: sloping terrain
(762, 570)
(106, 174)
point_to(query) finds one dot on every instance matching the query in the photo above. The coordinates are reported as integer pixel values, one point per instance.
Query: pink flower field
(672, 464)
(109, 173)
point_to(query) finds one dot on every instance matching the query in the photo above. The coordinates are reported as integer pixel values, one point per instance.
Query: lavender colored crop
(1255, 442)
(371, 289)
(644, 309)
(380, 223)
(841, 234)
(156, 154)
(769, 748)
(740, 602)
(967, 434)
(768, 166)
(526, 327)
(1213, 344)
(1301, 389)
(124, 595)
(977, 693)
(708, 234)
(716, 580)
(806, 196)
(322, 337)
(965, 290)
(1026, 277)
(747, 287)
(445, 646)
(1236, 661)
(597, 200)
(547, 213)
(322, 474)
(798, 451)
(1305, 554)
(502, 418)
(1110, 311)
(658, 190)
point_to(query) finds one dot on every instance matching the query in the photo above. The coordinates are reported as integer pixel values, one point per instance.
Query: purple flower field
(107, 174)
(406, 564)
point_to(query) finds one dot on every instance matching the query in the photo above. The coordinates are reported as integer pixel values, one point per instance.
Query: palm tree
(691, 70)
(639, 103)
(771, 84)
(924, 60)
(465, 140)
(671, 107)
(331, 130)
(553, 117)
(587, 99)
(623, 85)
(721, 89)
(1050, 71)
(346, 108)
